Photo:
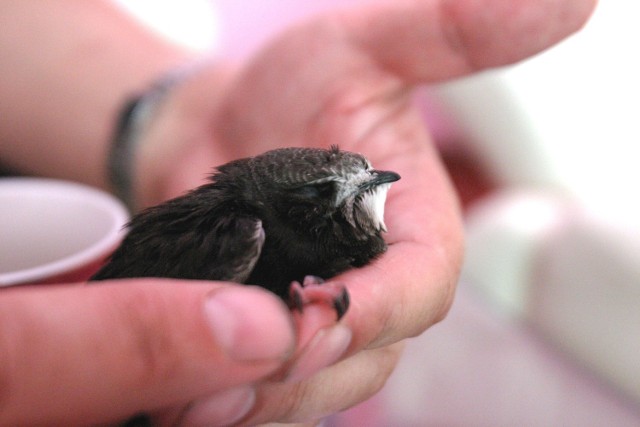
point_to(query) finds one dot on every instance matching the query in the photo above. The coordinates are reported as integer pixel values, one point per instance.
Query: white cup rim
(100, 248)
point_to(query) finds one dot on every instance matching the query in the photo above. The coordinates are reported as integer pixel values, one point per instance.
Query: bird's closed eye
(315, 191)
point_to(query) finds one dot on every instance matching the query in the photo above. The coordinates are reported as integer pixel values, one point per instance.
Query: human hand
(83, 355)
(343, 79)
(346, 79)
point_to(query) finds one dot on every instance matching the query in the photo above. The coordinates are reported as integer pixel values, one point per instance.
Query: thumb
(77, 354)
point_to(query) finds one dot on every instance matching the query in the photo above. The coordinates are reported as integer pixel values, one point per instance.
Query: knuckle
(295, 406)
(388, 358)
(281, 403)
(334, 389)
(442, 309)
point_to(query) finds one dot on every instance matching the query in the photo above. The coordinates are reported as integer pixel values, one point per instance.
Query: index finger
(428, 41)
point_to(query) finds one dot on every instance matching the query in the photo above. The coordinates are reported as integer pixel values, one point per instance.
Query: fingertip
(250, 324)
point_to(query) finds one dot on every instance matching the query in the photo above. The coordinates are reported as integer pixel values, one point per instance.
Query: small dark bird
(281, 220)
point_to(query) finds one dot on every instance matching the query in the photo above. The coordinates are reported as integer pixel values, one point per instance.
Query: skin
(115, 349)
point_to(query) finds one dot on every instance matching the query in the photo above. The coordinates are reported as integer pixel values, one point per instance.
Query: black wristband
(121, 156)
(131, 122)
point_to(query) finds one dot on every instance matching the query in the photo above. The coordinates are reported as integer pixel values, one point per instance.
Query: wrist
(172, 135)
(133, 119)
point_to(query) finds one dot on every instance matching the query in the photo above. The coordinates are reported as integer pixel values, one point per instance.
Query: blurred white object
(191, 23)
(585, 294)
(505, 234)
(53, 229)
(571, 272)
(561, 247)
(567, 117)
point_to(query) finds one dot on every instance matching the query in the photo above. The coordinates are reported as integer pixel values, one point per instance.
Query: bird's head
(311, 187)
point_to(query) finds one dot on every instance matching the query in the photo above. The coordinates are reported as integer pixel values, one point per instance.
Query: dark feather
(266, 220)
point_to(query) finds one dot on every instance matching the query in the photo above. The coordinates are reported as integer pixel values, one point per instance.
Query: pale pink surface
(478, 368)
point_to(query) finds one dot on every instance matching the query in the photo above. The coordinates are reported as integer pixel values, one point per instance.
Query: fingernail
(221, 409)
(324, 349)
(250, 324)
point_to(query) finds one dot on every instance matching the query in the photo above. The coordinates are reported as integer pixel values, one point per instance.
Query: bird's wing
(239, 241)
(224, 247)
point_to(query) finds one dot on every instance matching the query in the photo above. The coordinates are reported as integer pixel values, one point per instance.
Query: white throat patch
(373, 204)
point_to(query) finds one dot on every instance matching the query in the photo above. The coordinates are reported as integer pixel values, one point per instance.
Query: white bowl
(55, 231)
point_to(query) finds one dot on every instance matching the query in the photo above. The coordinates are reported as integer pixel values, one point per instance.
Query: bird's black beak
(384, 177)
(380, 177)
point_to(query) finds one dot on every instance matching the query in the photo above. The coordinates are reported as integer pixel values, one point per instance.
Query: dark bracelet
(132, 121)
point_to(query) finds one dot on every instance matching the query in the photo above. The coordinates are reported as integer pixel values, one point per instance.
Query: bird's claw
(314, 289)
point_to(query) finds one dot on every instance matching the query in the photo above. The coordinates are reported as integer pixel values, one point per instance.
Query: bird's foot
(314, 289)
